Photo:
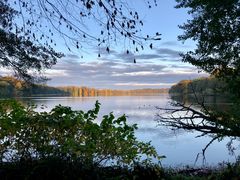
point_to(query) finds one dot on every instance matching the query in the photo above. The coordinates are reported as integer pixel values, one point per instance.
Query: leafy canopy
(20, 53)
(215, 26)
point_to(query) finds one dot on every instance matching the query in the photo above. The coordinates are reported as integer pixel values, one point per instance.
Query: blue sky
(160, 67)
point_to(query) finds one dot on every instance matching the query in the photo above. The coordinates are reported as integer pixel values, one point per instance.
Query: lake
(180, 148)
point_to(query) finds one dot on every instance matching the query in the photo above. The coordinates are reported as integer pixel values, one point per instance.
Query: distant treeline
(11, 87)
(85, 91)
(206, 86)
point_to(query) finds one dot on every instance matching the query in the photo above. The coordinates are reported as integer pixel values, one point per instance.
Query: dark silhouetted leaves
(41, 23)
(151, 46)
(215, 27)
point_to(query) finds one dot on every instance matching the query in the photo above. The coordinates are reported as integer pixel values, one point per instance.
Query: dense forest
(11, 87)
(206, 86)
(205, 89)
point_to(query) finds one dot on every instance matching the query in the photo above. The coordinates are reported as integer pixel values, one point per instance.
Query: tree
(199, 117)
(20, 53)
(194, 111)
(215, 27)
(29, 30)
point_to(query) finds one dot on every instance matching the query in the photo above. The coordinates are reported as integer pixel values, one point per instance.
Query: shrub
(69, 135)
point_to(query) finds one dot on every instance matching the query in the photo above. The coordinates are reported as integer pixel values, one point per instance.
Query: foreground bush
(68, 135)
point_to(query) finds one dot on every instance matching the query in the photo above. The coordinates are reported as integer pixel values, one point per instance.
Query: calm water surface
(180, 148)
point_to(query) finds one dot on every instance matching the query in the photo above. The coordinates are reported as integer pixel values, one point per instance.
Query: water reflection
(180, 147)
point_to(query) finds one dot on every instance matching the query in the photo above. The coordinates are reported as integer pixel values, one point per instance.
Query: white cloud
(116, 75)
(56, 73)
(119, 75)
(139, 73)
(5, 72)
(144, 84)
